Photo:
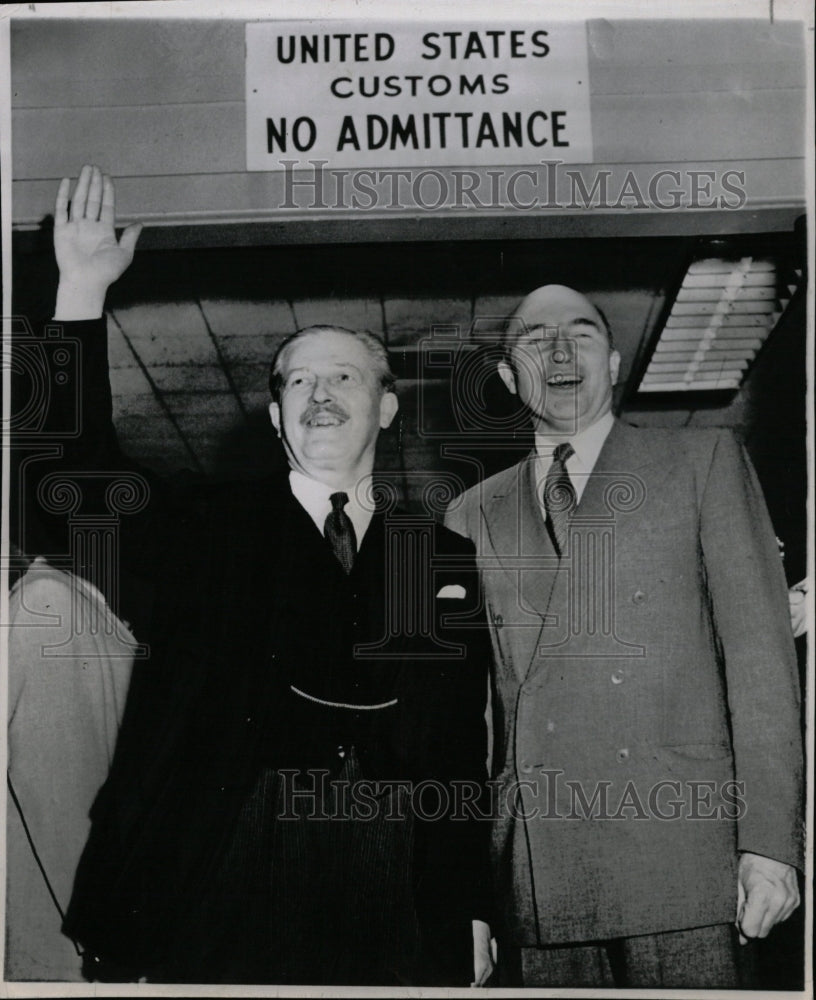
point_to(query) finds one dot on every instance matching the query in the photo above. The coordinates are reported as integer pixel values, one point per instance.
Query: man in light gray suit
(645, 693)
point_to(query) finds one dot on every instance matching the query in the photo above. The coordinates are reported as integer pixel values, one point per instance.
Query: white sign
(416, 94)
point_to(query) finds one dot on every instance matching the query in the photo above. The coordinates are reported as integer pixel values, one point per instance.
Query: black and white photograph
(407, 572)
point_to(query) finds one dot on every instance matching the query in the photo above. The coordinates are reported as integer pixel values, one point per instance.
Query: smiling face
(331, 407)
(560, 361)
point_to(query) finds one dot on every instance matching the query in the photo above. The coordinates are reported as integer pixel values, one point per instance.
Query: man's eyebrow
(584, 321)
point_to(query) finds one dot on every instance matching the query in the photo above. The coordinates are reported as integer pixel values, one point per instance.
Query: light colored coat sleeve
(69, 669)
(748, 594)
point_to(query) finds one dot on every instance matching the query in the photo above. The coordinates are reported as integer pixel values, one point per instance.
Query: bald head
(544, 305)
(559, 360)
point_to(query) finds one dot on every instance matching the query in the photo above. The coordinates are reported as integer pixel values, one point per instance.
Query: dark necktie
(559, 496)
(340, 531)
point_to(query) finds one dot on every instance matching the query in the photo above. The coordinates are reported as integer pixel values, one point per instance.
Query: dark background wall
(192, 332)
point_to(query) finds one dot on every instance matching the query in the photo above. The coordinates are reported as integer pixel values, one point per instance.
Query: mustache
(332, 409)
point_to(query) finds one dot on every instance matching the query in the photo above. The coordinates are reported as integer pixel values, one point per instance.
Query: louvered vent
(723, 313)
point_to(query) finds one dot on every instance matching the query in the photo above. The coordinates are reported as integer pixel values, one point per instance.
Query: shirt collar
(587, 443)
(313, 496)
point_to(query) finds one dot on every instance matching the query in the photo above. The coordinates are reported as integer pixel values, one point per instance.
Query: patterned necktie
(559, 496)
(340, 531)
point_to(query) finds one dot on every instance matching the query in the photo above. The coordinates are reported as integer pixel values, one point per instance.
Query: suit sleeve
(61, 394)
(75, 450)
(749, 606)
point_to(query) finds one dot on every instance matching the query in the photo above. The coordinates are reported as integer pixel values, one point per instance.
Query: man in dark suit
(646, 702)
(282, 806)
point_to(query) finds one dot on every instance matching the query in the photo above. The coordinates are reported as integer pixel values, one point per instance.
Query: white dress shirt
(313, 496)
(587, 446)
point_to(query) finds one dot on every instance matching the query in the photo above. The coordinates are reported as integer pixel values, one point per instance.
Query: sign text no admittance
(361, 95)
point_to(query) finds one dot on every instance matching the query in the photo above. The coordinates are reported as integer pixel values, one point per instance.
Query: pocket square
(452, 590)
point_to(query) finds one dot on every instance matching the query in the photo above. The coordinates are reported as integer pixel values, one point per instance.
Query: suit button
(498, 621)
(618, 677)
(550, 726)
(638, 597)
(622, 756)
(525, 767)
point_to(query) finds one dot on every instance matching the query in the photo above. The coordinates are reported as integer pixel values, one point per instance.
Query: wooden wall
(160, 104)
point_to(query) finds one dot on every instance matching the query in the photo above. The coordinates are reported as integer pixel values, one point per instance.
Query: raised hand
(89, 256)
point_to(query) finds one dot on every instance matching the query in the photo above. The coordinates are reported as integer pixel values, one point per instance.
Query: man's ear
(389, 404)
(508, 376)
(614, 366)
(275, 416)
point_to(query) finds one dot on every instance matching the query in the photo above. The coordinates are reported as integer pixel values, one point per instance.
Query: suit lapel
(519, 548)
(615, 475)
(500, 517)
(519, 539)
(540, 559)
